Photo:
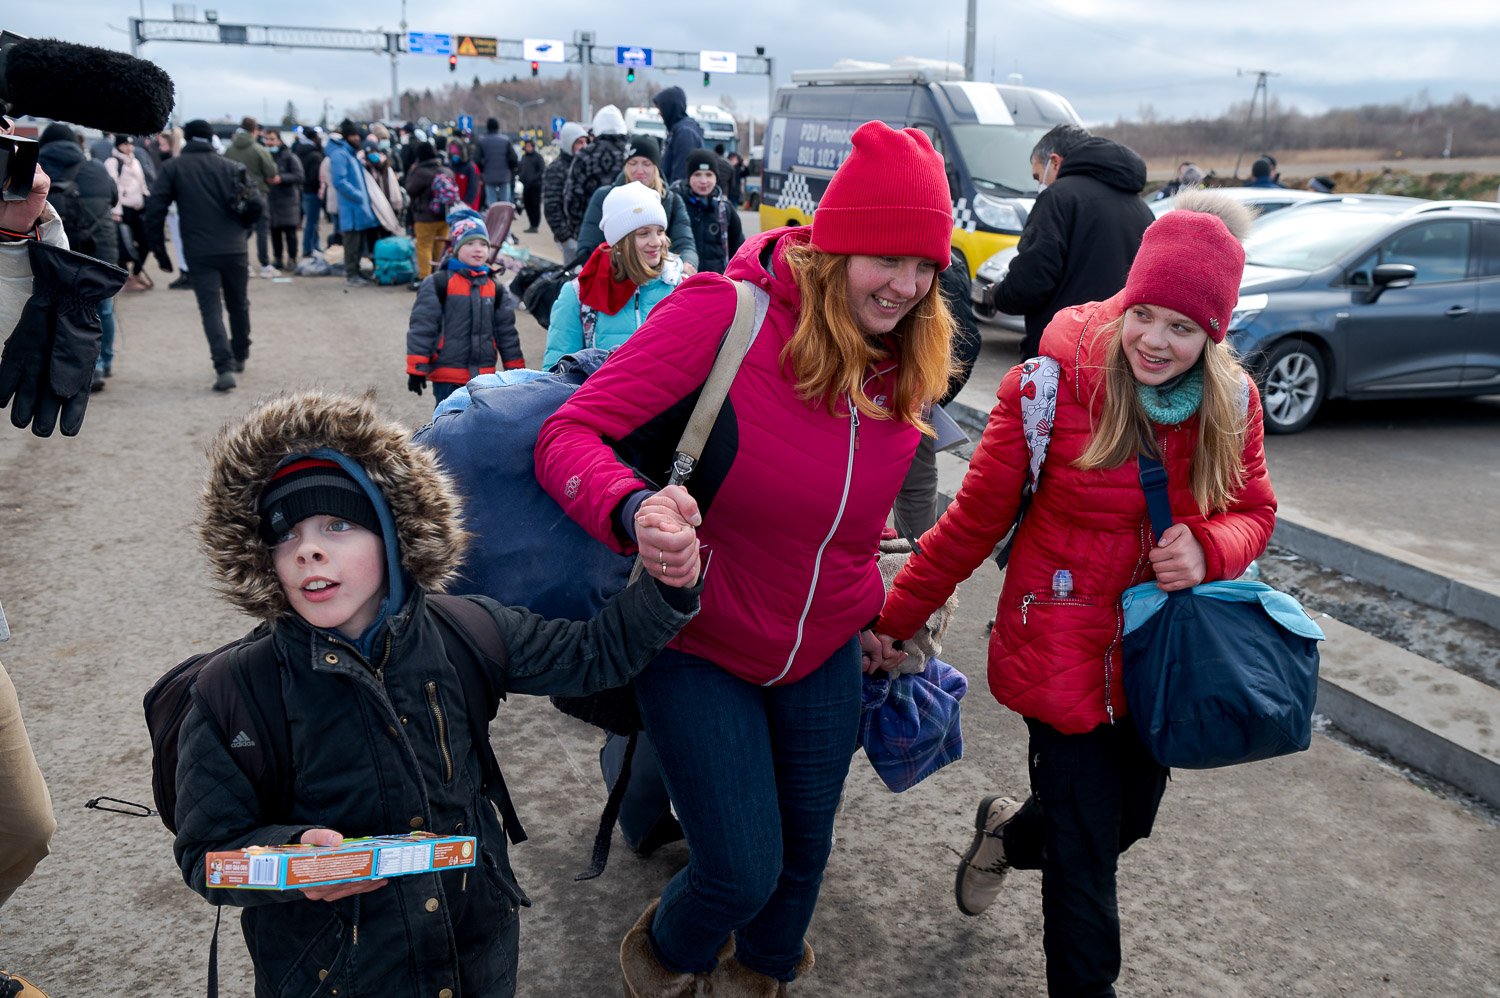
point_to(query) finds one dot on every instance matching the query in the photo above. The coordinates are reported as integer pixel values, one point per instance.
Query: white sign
(542, 49)
(718, 62)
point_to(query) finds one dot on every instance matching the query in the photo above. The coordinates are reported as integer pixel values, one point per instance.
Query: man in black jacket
(1082, 234)
(684, 134)
(497, 161)
(213, 244)
(530, 175)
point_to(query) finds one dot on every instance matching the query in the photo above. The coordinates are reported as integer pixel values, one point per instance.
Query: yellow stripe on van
(976, 247)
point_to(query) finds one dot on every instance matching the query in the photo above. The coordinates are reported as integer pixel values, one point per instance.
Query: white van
(719, 126)
(985, 132)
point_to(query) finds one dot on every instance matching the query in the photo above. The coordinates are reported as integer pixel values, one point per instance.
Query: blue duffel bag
(1223, 673)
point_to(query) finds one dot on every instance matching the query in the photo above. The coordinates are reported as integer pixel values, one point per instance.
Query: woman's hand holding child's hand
(878, 652)
(1178, 560)
(665, 531)
(333, 892)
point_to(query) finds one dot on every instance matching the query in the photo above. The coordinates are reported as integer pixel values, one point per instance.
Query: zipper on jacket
(838, 518)
(442, 730)
(1032, 598)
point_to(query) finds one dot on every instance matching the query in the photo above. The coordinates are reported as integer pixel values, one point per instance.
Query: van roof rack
(884, 74)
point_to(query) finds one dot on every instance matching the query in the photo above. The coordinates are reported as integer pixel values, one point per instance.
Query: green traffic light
(630, 76)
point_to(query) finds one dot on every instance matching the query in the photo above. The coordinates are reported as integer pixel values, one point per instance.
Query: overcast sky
(1111, 58)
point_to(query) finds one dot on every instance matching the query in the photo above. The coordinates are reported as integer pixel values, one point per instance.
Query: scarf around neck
(1174, 401)
(597, 287)
(457, 266)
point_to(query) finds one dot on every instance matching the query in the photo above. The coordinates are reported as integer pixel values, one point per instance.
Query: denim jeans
(755, 774)
(107, 340)
(495, 193)
(312, 209)
(1092, 796)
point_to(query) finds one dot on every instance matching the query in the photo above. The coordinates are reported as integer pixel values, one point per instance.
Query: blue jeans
(495, 193)
(755, 774)
(312, 209)
(107, 341)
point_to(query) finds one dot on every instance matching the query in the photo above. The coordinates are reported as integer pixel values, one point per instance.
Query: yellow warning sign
(477, 45)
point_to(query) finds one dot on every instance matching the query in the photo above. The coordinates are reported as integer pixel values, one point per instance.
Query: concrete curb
(1366, 564)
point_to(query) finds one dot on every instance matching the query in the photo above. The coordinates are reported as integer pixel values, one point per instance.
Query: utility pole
(969, 41)
(1262, 92)
(585, 42)
(395, 111)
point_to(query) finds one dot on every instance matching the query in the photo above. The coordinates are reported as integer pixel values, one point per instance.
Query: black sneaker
(224, 382)
(181, 284)
(356, 282)
(239, 365)
(97, 385)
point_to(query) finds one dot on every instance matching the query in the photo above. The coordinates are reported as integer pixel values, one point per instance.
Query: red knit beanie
(1191, 263)
(889, 198)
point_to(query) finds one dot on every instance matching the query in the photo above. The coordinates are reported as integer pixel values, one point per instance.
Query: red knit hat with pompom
(889, 198)
(1191, 263)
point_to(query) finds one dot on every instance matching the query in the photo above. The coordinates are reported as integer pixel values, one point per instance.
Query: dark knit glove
(415, 383)
(47, 365)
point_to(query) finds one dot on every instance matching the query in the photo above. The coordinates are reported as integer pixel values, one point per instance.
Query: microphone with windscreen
(81, 84)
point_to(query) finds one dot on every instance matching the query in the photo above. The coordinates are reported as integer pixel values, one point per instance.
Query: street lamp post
(520, 106)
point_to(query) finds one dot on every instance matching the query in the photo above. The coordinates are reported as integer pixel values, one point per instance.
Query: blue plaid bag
(909, 723)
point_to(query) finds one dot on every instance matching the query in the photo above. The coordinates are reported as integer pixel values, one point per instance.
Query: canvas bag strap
(747, 313)
(1154, 483)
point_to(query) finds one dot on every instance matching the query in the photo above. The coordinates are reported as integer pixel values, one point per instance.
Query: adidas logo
(242, 740)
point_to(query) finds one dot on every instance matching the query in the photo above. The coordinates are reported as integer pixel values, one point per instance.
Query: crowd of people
(330, 527)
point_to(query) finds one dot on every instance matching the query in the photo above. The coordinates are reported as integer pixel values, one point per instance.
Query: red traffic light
(453, 64)
(536, 67)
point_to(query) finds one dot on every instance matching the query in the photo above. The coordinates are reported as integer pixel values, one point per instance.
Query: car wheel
(1293, 387)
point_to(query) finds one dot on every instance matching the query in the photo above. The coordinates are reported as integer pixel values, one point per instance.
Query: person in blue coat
(356, 216)
(622, 281)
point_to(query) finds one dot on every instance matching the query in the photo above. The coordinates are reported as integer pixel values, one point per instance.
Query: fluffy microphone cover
(86, 85)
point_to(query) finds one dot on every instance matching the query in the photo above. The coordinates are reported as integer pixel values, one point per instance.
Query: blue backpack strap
(1154, 483)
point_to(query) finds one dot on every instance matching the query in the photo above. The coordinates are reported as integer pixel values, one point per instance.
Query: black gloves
(415, 383)
(48, 361)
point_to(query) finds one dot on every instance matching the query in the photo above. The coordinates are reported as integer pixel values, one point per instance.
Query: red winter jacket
(793, 499)
(1058, 661)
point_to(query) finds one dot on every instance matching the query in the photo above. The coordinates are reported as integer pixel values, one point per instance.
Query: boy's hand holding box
(292, 867)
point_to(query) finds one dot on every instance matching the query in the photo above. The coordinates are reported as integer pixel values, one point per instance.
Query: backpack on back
(443, 193)
(77, 220)
(395, 260)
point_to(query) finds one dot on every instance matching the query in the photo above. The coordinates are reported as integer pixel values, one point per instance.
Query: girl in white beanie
(623, 279)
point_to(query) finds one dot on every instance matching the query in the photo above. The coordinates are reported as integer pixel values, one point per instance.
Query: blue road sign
(465, 122)
(557, 123)
(632, 55)
(428, 43)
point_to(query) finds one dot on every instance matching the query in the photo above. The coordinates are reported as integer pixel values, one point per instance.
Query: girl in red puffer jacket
(1146, 371)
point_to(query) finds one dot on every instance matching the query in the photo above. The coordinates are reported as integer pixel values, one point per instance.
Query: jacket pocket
(322, 967)
(440, 724)
(1040, 607)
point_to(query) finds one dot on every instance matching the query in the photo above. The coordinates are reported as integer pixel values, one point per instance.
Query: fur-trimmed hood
(411, 491)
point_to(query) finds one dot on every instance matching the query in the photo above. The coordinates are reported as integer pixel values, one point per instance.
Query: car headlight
(997, 214)
(1245, 311)
(995, 268)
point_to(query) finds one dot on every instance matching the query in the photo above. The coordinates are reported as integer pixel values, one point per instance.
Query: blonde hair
(1122, 429)
(627, 264)
(831, 356)
(657, 183)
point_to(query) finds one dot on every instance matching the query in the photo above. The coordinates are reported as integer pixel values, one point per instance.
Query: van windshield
(998, 156)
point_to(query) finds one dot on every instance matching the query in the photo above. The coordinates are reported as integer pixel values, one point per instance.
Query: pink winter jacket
(793, 498)
(1058, 660)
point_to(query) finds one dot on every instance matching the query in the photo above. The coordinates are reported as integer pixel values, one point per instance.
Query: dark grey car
(1367, 302)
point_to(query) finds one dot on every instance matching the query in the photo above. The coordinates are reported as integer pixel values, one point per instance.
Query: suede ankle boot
(735, 980)
(643, 973)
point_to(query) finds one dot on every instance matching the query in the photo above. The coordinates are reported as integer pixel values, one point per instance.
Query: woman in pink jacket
(754, 708)
(1146, 371)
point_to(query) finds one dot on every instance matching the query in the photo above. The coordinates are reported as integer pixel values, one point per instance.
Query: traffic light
(453, 64)
(536, 67)
(630, 75)
(705, 79)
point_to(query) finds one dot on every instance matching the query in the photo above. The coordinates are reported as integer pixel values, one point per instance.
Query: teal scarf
(1174, 401)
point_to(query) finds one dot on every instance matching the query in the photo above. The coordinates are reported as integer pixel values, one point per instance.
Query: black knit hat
(198, 129)
(310, 486)
(644, 145)
(58, 132)
(702, 159)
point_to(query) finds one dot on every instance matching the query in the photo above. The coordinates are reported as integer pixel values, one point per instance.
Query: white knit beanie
(609, 121)
(629, 207)
(571, 132)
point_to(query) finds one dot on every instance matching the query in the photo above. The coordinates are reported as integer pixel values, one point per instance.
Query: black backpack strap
(478, 635)
(242, 691)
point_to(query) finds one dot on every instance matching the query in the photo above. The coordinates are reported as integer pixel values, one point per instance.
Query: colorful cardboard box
(292, 867)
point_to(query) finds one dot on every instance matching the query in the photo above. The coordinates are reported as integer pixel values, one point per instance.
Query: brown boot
(643, 973)
(735, 980)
